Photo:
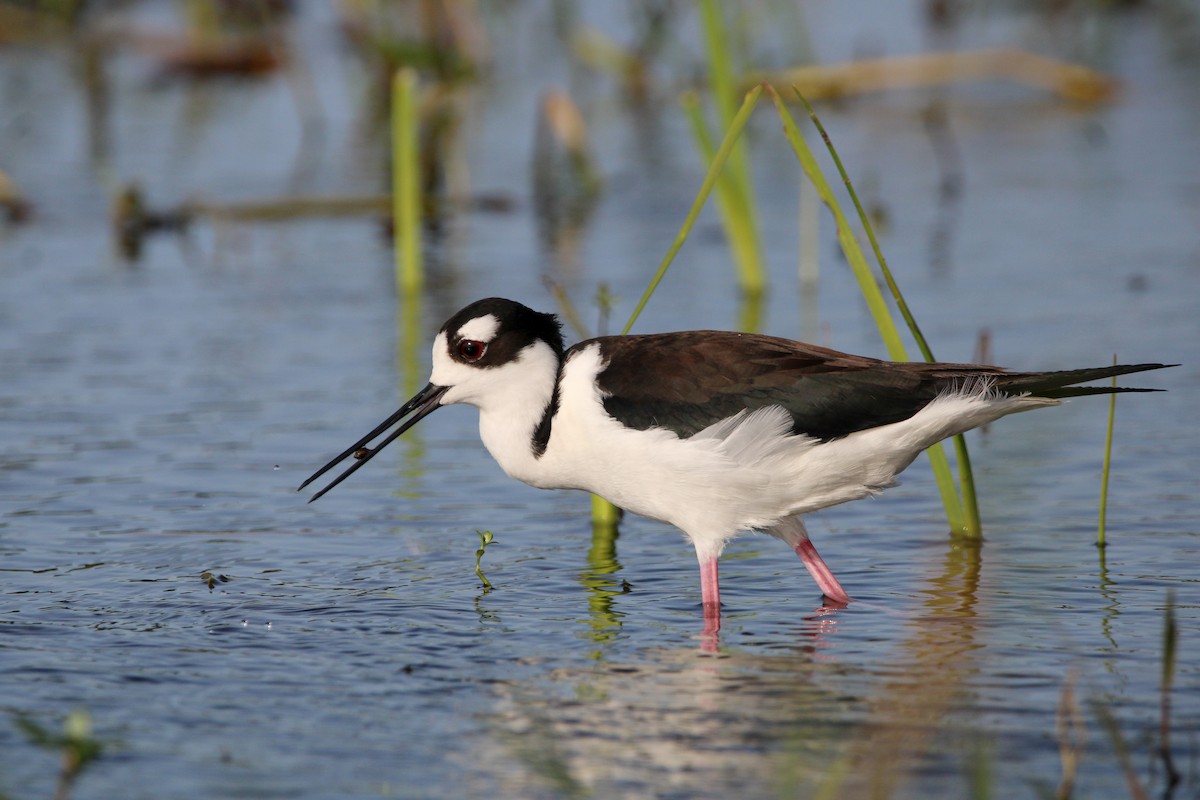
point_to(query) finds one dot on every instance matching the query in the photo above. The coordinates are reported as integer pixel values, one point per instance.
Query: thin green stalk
(969, 505)
(736, 215)
(604, 513)
(735, 191)
(875, 301)
(973, 524)
(731, 137)
(567, 310)
(1101, 540)
(485, 538)
(955, 514)
(901, 304)
(1170, 645)
(720, 68)
(406, 193)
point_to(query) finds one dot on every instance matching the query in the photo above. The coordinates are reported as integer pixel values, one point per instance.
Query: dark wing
(687, 381)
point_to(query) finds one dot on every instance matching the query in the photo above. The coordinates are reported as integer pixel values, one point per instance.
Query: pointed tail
(1057, 385)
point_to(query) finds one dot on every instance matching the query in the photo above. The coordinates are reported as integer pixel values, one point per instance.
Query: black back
(687, 381)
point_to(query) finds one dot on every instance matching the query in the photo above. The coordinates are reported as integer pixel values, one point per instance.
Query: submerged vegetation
(485, 538)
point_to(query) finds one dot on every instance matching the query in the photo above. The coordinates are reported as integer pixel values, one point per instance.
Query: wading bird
(714, 432)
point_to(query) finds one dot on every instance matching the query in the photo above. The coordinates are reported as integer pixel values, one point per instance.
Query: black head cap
(519, 326)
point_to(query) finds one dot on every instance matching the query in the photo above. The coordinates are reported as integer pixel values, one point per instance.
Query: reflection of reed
(931, 671)
(598, 579)
(1112, 607)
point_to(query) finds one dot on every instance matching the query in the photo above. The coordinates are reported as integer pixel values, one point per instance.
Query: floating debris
(212, 579)
(830, 81)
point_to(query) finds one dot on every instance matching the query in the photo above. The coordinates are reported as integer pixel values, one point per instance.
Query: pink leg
(819, 570)
(710, 593)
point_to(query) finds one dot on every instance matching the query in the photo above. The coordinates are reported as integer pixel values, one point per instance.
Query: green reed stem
(406, 192)
(1101, 539)
(714, 171)
(604, 513)
(845, 234)
(735, 212)
(966, 479)
(961, 521)
(972, 523)
(901, 304)
(735, 189)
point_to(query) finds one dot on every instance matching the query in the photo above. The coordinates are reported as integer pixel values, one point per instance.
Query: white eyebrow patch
(480, 329)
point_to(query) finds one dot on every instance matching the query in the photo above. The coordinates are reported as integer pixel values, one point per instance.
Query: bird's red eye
(471, 350)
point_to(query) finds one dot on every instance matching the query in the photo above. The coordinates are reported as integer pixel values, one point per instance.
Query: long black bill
(420, 406)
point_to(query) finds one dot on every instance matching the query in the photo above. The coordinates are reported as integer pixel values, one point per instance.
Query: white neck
(512, 401)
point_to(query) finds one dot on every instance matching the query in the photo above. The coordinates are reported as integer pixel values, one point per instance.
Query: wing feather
(687, 381)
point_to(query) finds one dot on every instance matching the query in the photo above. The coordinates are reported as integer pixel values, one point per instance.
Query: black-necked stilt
(711, 431)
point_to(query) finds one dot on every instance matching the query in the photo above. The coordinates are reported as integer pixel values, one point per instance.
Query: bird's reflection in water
(819, 623)
(782, 712)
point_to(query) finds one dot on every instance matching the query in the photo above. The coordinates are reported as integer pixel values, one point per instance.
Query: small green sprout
(485, 538)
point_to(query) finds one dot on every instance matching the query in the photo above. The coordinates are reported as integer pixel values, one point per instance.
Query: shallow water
(155, 419)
